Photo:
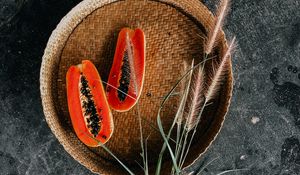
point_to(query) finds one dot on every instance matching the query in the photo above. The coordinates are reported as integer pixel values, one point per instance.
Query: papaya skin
(128, 70)
(89, 71)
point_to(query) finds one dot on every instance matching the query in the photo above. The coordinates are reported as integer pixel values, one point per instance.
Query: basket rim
(70, 21)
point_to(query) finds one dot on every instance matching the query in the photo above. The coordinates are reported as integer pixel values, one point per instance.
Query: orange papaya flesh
(125, 81)
(89, 111)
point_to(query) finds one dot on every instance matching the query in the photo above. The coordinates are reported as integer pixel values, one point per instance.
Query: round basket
(174, 31)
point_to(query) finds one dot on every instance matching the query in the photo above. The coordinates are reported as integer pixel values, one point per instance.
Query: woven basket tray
(174, 32)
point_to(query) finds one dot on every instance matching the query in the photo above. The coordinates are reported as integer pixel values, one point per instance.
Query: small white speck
(243, 157)
(19, 52)
(254, 120)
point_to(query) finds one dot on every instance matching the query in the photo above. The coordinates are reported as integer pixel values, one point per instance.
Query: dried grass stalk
(219, 73)
(222, 11)
(180, 110)
(197, 99)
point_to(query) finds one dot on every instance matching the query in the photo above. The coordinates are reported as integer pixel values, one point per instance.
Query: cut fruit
(90, 113)
(125, 81)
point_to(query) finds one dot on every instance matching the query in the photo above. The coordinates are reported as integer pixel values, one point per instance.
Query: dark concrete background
(260, 134)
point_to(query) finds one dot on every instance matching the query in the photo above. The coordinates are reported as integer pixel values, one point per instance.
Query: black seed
(83, 80)
(94, 115)
(94, 132)
(97, 129)
(299, 76)
(104, 137)
(295, 69)
(121, 96)
(94, 110)
(84, 104)
(86, 92)
(83, 90)
(87, 111)
(94, 124)
(125, 78)
(85, 87)
(290, 68)
(90, 110)
(90, 103)
(94, 118)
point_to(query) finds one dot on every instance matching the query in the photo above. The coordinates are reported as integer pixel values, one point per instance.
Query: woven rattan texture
(174, 36)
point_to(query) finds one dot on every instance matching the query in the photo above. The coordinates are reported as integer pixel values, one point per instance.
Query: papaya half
(89, 111)
(125, 81)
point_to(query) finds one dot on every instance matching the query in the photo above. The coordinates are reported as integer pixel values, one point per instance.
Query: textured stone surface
(260, 134)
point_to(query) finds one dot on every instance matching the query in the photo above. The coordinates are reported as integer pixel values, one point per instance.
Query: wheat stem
(142, 140)
(118, 90)
(213, 88)
(194, 132)
(156, 129)
(136, 89)
(210, 162)
(201, 69)
(166, 144)
(109, 152)
(183, 149)
(180, 110)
